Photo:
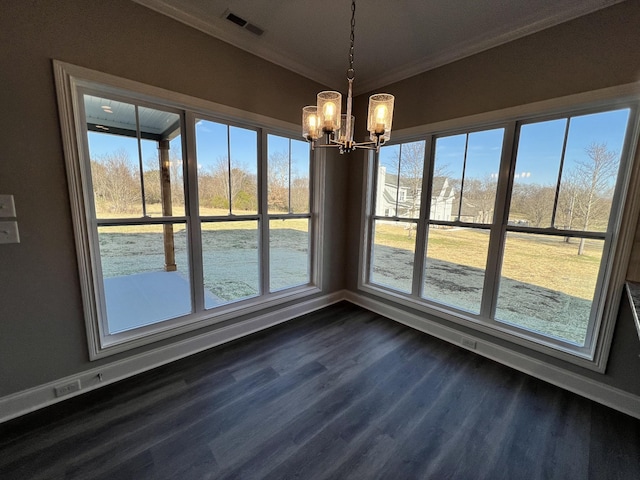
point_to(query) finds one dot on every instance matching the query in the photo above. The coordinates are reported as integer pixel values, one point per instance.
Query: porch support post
(167, 209)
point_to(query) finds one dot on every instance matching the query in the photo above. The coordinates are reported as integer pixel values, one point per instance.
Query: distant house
(407, 192)
(473, 212)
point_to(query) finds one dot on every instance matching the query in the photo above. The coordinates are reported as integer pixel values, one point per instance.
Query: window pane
(244, 171)
(590, 170)
(447, 177)
(219, 147)
(146, 274)
(288, 175)
(132, 179)
(278, 174)
(394, 246)
(387, 181)
(230, 261)
(455, 266)
(537, 168)
(411, 168)
(467, 163)
(481, 176)
(300, 178)
(547, 286)
(288, 253)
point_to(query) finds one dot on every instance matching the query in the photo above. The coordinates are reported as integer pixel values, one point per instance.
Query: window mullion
(395, 214)
(560, 168)
(263, 212)
(229, 168)
(499, 225)
(140, 167)
(464, 171)
(422, 233)
(314, 222)
(371, 213)
(193, 213)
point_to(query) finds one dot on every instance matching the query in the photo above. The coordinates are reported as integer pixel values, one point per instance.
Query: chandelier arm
(328, 145)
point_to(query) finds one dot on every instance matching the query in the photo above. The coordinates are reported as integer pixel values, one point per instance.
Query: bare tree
(534, 202)
(116, 182)
(566, 211)
(300, 194)
(217, 185)
(278, 178)
(411, 171)
(177, 182)
(594, 179)
(152, 191)
(480, 197)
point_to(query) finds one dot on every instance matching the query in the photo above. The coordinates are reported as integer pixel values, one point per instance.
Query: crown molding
(243, 40)
(490, 39)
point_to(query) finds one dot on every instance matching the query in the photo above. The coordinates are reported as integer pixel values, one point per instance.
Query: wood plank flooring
(338, 394)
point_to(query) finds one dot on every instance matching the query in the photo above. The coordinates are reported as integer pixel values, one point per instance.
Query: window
(183, 218)
(463, 192)
(521, 248)
(289, 214)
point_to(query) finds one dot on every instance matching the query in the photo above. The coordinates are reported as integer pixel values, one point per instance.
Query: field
(229, 250)
(545, 286)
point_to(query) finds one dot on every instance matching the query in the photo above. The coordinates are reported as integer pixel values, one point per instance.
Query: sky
(212, 145)
(538, 155)
(539, 147)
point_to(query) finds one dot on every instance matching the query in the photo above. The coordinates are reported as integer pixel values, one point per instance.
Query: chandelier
(325, 118)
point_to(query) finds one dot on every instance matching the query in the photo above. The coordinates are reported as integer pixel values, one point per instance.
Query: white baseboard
(26, 401)
(41, 396)
(610, 396)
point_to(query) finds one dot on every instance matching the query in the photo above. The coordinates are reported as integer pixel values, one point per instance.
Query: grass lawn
(539, 260)
(229, 250)
(545, 286)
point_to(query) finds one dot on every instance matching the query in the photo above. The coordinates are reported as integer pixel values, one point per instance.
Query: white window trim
(69, 78)
(596, 355)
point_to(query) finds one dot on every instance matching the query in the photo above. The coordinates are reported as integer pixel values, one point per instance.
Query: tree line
(584, 198)
(119, 186)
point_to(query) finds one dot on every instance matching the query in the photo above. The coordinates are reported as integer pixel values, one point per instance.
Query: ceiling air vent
(241, 22)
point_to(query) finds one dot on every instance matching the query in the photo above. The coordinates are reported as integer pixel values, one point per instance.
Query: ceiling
(394, 39)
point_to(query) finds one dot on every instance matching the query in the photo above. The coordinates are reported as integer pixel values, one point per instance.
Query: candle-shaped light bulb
(381, 113)
(310, 123)
(329, 116)
(313, 126)
(329, 110)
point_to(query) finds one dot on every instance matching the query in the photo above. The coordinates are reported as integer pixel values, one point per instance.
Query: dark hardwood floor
(338, 394)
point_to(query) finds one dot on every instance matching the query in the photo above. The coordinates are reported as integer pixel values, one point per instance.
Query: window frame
(620, 233)
(71, 83)
(290, 215)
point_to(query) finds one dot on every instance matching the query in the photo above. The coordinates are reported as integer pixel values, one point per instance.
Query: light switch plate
(9, 232)
(7, 206)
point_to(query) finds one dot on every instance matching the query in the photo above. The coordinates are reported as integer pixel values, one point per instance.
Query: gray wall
(592, 52)
(42, 333)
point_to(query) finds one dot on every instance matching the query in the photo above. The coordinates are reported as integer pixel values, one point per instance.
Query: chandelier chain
(325, 119)
(351, 72)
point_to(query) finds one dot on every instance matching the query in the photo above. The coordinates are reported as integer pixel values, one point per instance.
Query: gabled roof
(441, 185)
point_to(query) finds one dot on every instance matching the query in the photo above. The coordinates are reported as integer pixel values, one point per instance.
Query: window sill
(525, 339)
(128, 340)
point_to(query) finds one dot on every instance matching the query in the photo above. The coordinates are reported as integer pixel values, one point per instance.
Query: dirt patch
(532, 307)
(230, 258)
